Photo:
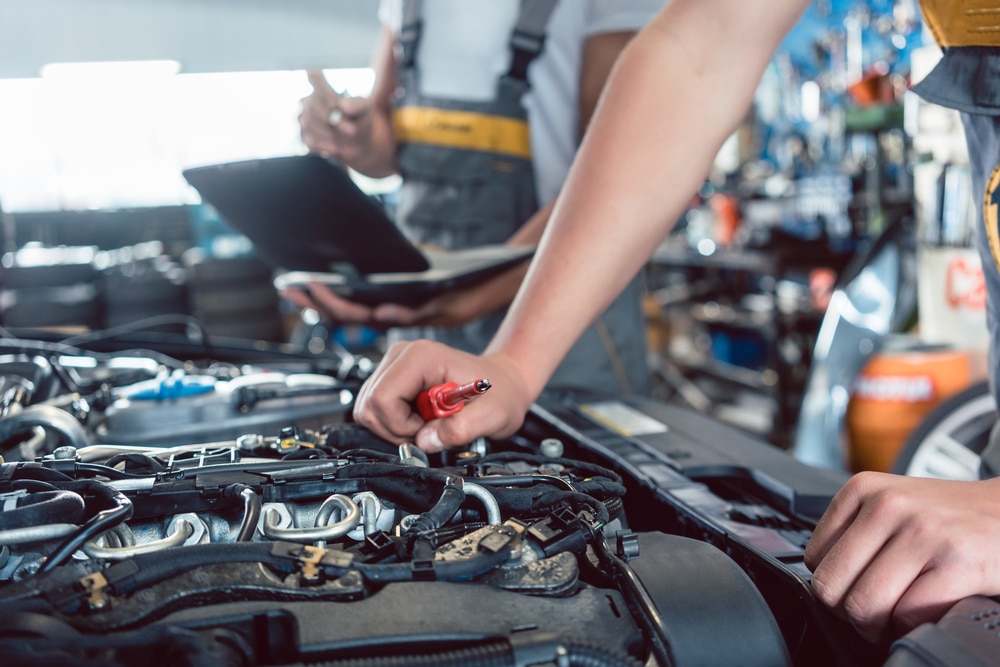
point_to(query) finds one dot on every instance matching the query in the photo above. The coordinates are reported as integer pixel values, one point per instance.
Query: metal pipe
(182, 531)
(483, 495)
(37, 533)
(321, 532)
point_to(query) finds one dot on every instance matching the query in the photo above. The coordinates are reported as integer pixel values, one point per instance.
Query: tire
(947, 443)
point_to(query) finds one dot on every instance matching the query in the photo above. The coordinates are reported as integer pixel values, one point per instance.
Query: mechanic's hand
(331, 308)
(385, 403)
(457, 306)
(893, 552)
(450, 309)
(345, 139)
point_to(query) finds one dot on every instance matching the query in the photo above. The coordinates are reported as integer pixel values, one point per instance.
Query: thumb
(428, 439)
(439, 434)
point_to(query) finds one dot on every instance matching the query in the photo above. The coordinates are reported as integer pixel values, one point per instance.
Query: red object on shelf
(449, 398)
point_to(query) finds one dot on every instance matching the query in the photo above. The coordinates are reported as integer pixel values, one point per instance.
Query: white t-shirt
(464, 48)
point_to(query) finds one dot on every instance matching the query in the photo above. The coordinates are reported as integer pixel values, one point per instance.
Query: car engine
(174, 502)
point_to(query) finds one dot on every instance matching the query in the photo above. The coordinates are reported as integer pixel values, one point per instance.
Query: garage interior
(821, 297)
(835, 154)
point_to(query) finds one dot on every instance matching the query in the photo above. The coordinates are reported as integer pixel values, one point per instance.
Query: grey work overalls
(967, 79)
(468, 180)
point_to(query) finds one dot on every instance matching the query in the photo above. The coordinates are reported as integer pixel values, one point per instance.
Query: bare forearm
(531, 231)
(677, 92)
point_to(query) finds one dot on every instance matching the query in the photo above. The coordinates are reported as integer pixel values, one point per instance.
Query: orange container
(893, 393)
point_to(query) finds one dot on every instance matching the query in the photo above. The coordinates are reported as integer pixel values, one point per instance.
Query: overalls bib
(467, 180)
(967, 79)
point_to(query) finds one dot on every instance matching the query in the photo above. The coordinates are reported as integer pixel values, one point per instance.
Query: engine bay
(164, 502)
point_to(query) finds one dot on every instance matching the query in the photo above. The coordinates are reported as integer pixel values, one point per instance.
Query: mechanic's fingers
(498, 413)
(385, 403)
(457, 430)
(836, 575)
(852, 533)
(320, 142)
(959, 557)
(353, 110)
(462, 428)
(393, 420)
(316, 133)
(870, 601)
(839, 516)
(391, 314)
(297, 297)
(923, 602)
(337, 308)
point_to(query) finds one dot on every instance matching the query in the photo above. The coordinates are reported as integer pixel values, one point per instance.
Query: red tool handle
(449, 398)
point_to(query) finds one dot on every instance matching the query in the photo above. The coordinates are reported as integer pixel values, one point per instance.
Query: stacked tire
(51, 287)
(144, 285)
(234, 297)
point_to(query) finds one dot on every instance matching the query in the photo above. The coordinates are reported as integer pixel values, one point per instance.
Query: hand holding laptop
(311, 222)
(451, 308)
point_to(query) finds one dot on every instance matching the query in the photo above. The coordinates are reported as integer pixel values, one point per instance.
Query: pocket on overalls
(456, 198)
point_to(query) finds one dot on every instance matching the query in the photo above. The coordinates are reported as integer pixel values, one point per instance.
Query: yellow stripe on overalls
(963, 22)
(462, 129)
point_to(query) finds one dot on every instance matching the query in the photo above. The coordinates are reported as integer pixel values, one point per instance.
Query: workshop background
(820, 292)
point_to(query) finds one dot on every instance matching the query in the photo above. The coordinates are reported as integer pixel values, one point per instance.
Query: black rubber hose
(589, 469)
(161, 565)
(593, 656)
(556, 499)
(488, 655)
(145, 570)
(120, 511)
(42, 508)
(50, 418)
(102, 470)
(482, 562)
(447, 505)
(31, 471)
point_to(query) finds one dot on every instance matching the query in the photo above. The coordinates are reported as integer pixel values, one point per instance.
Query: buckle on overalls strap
(409, 35)
(524, 46)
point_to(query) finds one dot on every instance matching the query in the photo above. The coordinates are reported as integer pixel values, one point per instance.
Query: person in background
(891, 551)
(480, 106)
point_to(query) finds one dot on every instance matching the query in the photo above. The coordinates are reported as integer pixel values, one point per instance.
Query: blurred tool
(447, 399)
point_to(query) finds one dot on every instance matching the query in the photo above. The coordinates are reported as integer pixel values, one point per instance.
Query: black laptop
(310, 221)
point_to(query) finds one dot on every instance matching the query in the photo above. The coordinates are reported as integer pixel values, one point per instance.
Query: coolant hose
(447, 505)
(482, 561)
(489, 655)
(161, 565)
(120, 511)
(48, 417)
(41, 508)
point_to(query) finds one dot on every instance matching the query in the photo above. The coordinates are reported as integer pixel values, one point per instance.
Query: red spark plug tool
(446, 399)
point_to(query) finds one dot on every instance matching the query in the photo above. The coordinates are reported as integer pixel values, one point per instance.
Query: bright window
(113, 135)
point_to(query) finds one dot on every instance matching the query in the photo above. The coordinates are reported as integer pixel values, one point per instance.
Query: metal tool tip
(482, 385)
